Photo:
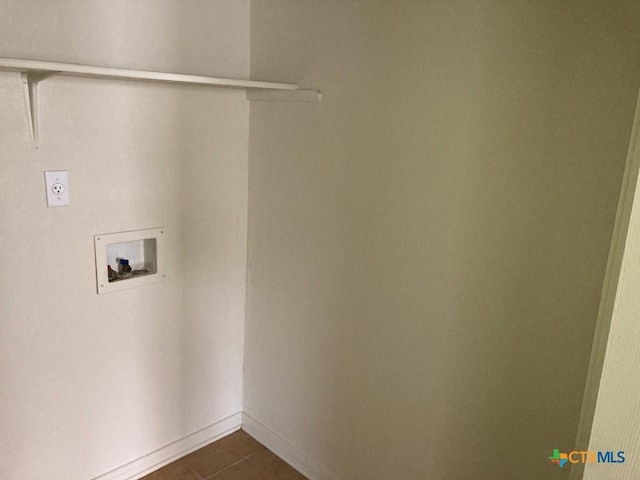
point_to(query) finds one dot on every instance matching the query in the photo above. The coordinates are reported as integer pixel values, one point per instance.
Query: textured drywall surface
(427, 246)
(91, 382)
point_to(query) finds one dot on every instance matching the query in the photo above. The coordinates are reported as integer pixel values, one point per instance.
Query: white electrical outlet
(57, 184)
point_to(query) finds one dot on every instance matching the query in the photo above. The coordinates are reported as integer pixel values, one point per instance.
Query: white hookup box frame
(143, 248)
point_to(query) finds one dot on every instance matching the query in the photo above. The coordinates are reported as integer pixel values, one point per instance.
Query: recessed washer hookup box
(129, 259)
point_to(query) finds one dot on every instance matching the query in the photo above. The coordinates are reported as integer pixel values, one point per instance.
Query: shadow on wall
(429, 247)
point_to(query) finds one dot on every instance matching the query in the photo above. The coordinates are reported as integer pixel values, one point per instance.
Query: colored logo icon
(558, 458)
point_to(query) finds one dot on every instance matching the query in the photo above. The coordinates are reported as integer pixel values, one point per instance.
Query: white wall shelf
(35, 71)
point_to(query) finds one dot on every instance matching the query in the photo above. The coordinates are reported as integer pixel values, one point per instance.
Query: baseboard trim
(286, 451)
(167, 454)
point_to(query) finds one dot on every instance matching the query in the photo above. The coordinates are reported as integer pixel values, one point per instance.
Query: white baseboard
(167, 454)
(286, 451)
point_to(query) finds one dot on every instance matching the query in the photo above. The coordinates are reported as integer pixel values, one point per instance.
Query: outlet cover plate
(57, 184)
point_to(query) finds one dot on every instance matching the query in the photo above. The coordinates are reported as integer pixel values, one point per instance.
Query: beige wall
(427, 247)
(91, 382)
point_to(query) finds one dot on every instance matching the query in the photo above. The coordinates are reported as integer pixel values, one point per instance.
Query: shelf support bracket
(30, 81)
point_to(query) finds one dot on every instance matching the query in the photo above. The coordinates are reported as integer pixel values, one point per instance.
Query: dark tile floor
(234, 457)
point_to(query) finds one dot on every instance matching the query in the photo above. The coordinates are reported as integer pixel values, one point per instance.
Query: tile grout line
(234, 464)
